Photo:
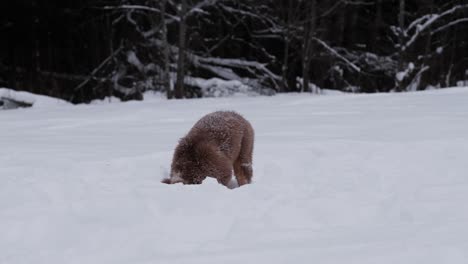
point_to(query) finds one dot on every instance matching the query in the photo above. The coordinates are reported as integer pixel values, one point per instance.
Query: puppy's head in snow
(176, 177)
(166, 180)
(191, 163)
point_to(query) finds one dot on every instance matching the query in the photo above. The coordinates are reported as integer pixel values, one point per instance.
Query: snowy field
(337, 179)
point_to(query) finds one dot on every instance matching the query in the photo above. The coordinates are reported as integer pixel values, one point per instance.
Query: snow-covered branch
(198, 8)
(421, 24)
(139, 7)
(98, 68)
(349, 2)
(345, 2)
(223, 66)
(453, 23)
(245, 12)
(331, 9)
(334, 52)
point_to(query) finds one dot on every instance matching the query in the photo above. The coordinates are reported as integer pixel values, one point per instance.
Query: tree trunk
(179, 90)
(376, 26)
(309, 34)
(111, 51)
(453, 54)
(341, 24)
(167, 83)
(36, 58)
(401, 60)
(11, 58)
(284, 69)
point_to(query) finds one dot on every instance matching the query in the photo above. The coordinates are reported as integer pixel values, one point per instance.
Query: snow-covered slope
(341, 179)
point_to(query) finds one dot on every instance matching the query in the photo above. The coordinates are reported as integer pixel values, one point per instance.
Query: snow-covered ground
(337, 179)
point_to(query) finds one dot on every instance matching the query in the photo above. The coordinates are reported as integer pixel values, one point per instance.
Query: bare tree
(289, 21)
(307, 47)
(401, 40)
(179, 89)
(167, 81)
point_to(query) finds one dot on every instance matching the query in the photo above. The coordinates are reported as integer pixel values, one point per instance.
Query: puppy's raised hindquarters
(219, 143)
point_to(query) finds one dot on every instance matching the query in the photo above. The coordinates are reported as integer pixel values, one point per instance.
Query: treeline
(83, 50)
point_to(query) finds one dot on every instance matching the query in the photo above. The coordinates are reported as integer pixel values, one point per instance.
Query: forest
(85, 50)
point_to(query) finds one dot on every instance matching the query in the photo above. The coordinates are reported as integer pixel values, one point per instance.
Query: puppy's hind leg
(243, 164)
(240, 172)
(224, 174)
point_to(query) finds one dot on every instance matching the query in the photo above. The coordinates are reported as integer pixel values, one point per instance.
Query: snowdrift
(25, 99)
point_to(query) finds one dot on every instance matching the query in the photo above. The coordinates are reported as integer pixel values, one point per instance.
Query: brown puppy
(217, 144)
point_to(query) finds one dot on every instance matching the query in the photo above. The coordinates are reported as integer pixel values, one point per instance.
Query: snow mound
(30, 99)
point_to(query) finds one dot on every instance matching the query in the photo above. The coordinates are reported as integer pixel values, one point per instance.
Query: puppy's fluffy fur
(216, 145)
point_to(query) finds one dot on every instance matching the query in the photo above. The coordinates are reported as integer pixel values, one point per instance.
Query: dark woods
(82, 50)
